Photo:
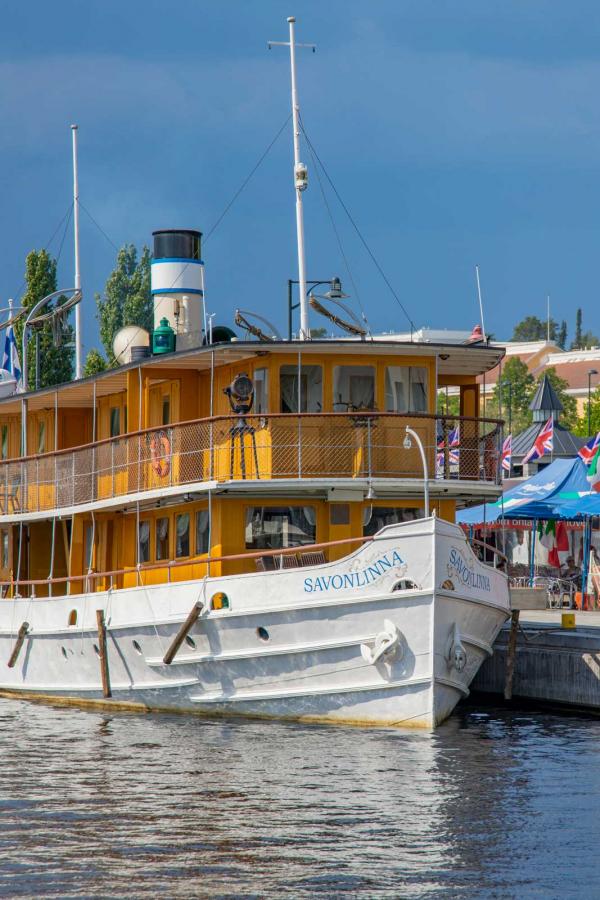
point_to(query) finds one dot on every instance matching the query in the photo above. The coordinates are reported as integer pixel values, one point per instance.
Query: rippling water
(493, 804)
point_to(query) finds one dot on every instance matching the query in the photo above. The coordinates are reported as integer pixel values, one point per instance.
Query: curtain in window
(202, 532)
(144, 542)
(397, 379)
(182, 535)
(418, 389)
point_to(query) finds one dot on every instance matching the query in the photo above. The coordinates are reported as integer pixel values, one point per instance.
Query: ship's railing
(358, 445)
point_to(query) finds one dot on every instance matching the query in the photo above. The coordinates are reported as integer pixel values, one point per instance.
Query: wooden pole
(511, 654)
(106, 691)
(182, 633)
(23, 632)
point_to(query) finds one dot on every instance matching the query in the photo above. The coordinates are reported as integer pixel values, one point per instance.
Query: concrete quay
(551, 664)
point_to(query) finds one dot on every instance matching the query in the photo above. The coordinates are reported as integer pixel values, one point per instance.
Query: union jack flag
(543, 443)
(453, 451)
(588, 451)
(507, 453)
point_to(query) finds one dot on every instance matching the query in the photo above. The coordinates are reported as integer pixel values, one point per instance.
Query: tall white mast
(480, 301)
(78, 365)
(300, 183)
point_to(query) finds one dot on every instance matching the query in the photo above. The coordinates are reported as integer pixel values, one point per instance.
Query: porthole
(96, 650)
(72, 618)
(262, 633)
(219, 601)
(137, 647)
(64, 652)
(190, 642)
(405, 585)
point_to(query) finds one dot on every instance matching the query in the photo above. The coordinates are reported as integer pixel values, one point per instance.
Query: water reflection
(493, 804)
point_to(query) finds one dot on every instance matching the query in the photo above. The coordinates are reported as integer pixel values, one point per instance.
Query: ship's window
(41, 442)
(406, 389)
(353, 388)
(261, 391)
(304, 394)
(72, 618)
(202, 532)
(144, 542)
(4, 549)
(274, 527)
(182, 535)
(115, 421)
(377, 517)
(88, 546)
(262, 633)
(190, 642)
(162, 538)
(166, 410)
(4, 442)
(137, 647)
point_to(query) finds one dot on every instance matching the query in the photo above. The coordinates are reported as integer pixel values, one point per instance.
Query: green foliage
(534, 329)
(318, 333)
(515, 390)
(568, 416)
(94, 363)
(127, 299)
(589, 339)
(581, 428)
(576, 344)
(56, 362)
(448, 404)
(562, 335)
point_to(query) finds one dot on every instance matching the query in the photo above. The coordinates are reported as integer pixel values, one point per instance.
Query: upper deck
(327, 415)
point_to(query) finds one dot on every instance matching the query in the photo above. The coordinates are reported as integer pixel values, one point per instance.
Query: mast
(480, 300)
(78, 366)
(300, 183)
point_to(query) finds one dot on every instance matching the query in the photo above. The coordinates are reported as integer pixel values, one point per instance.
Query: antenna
(300, 177)
(78, 369)
(480, 301)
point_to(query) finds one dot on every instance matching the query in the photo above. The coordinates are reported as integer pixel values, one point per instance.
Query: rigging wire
(67, 216)
(64, 232)
(246, 180)
(99, 227)
(338, 238)
(357, 230)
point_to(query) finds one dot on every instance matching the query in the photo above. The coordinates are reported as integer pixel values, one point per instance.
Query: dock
(551, 664)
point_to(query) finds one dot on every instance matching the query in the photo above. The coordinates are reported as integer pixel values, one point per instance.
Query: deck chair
(312, 558)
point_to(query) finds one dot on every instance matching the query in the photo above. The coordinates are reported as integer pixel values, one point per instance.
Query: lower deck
(187, 537)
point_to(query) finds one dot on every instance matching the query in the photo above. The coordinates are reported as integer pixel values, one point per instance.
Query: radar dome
(126, 339)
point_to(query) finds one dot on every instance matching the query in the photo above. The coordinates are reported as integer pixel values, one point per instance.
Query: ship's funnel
(178, 284)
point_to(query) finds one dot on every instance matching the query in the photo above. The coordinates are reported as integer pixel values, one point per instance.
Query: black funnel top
(177, 243)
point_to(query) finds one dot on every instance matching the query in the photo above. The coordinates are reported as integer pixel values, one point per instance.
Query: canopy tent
(588, 505)
(540, 497)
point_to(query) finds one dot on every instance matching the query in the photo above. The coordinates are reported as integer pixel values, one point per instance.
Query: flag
(507, 453)
(588, 451)
(553, 536)
(453, 452)
(10, 359)
(543, 442)
(593, 472)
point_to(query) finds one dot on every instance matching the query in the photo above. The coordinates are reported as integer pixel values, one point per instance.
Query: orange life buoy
(160, 452)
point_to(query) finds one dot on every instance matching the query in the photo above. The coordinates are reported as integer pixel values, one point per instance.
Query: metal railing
(359, 445)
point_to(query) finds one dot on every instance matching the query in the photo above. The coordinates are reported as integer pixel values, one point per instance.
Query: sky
(456, 133)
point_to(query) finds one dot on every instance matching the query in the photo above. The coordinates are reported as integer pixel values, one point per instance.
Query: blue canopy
(540, 497)
(588, 505)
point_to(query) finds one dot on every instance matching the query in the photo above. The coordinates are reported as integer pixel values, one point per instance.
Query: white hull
(323, 623)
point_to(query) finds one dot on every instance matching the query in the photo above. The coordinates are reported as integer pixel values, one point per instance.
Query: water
(493, 804)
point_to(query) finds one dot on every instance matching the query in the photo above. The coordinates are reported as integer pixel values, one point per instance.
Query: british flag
(588, 451)
(543, 443)
(453, 451)
(507, 453)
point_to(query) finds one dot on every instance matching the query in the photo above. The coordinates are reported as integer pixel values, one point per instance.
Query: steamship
(259, 527)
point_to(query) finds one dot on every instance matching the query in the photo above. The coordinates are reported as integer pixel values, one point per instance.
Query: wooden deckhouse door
(163, 449)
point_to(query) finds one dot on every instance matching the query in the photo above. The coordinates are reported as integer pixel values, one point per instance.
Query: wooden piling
(23, 632)
(511, 654)
(182, 633)
(104, 672)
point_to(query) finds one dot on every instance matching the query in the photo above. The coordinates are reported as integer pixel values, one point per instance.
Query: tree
(127, 299)
(589, 339)
(582, 423)
(516, 374)
(533, 329)
(56, 361)
(448, 404)
(576, 343)
(94, 363)
(568, 417)
(318, 333)
(562, 335)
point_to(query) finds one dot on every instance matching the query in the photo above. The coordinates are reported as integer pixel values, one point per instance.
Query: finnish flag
(10, 359)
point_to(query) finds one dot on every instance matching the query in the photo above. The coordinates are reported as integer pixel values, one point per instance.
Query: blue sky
(456, 132)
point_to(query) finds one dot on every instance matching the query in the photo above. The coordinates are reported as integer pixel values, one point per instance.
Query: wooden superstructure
(140, 474)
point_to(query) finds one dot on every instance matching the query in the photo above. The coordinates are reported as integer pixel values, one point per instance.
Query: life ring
(160, 452)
